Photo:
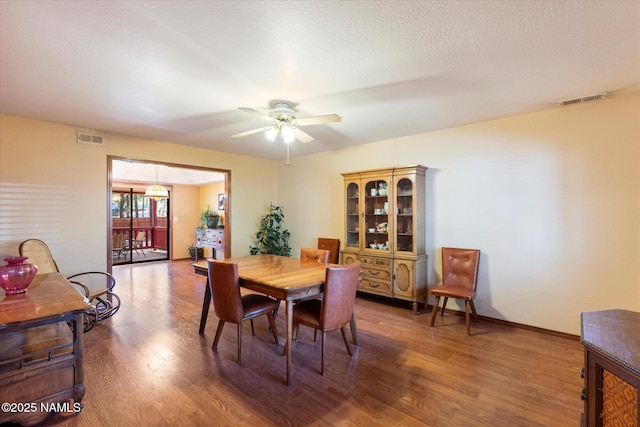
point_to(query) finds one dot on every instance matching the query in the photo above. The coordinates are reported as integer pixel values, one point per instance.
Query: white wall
(55, 189)
(552, 199)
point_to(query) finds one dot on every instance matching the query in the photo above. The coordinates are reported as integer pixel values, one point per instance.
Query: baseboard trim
(427, 309)
(516, 325)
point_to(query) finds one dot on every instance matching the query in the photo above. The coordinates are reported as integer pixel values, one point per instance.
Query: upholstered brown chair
(335, 309)
(96, 286)
(310, 255)
(331, 245)
(459, 280)
(314, 255)
(230, 306)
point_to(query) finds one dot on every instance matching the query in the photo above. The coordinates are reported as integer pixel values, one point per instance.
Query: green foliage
(207, 215)
(271, 237)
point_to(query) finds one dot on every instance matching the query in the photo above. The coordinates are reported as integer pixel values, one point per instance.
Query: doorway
(143, 229)
(140, 227)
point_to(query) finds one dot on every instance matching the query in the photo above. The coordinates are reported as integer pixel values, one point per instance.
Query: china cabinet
(385, 230)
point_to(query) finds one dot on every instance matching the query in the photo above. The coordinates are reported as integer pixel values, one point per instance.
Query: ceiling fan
(283, 120)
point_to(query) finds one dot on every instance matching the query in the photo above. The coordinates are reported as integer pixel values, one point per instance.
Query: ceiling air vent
(589, 98)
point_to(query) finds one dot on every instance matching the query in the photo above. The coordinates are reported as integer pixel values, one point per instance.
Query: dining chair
(335, 309)
(96, 286)
(314, 255)
(230, 306)
(331, 245)
(309, 255)
(459, 281)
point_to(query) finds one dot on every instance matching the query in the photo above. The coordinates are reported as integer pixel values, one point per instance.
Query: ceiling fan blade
(316, 120)
(302, 136)
(251, 132)
(257, 113)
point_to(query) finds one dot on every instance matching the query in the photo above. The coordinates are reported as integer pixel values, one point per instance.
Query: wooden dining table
(287, 279)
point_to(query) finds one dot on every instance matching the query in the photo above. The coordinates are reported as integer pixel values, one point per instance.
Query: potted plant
(271, 237)
(209, 217)
(193, 251)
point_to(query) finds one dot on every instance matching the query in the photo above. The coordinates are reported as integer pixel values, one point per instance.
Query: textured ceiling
(178, 70)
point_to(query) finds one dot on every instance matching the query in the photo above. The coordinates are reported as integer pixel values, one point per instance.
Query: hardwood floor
(148, 366)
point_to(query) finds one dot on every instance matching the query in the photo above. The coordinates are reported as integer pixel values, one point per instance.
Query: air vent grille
(92, 139)
(589, 98)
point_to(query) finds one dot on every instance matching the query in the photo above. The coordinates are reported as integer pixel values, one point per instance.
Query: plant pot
(192, 252)
(212, 221)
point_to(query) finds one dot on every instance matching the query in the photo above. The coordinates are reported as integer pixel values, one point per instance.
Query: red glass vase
(16, 275)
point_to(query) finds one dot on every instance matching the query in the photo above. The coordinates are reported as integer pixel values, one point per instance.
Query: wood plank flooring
(148, 366)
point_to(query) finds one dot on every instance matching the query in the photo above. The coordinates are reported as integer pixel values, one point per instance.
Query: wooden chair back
(331, 245)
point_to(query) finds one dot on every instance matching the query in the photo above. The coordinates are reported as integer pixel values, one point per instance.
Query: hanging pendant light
(157, 191)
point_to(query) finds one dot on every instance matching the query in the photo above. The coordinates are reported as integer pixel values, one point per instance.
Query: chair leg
(434, 310)
(240, 343)
(275, 312)
(218, 333)
(272, 323)
(354, 328)
(252, 331)
(346, 341)
(315, 333)
(323, 338)
(466, 316)
(473, 310)
(444, 304)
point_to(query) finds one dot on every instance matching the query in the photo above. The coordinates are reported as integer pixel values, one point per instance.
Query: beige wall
(55, 189)
(552, 199)
(185, 213)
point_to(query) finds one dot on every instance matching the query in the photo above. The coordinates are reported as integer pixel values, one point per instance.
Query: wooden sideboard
(213, 238)
(611, 340)
(41, 350)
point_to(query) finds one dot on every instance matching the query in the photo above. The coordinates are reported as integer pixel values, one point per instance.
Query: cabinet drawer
(375, 273)
(374, 261)
(375, 287)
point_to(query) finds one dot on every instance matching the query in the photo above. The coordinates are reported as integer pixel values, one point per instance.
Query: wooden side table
(41, 350)
(611, 340)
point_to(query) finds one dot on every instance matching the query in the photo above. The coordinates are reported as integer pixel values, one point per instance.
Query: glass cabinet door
(353, 215)
(376, 214)
(404, 216)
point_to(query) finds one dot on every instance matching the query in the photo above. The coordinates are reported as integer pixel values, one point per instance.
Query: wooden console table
(211, 237)
(41, 350)
(611, 340)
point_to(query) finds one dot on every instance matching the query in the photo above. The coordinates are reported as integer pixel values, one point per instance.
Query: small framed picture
(221, 201)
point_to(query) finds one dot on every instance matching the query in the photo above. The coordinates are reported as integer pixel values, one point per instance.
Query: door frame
(227, 190)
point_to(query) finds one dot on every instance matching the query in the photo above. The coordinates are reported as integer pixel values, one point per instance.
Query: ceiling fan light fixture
(272, 133)
(288, 134)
